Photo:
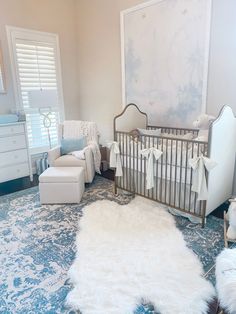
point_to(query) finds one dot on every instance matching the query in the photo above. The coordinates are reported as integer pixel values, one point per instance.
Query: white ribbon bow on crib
(200, 164)
(115, 160)
(150, 153)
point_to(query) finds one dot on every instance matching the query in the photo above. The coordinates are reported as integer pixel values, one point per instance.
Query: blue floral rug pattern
(37, 247)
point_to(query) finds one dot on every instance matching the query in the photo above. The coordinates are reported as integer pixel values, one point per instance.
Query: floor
(218, 212)
(17, 185)
(24, 183)
(20, 184)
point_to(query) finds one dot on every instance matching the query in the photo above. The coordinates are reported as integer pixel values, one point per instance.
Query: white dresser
(15, 161)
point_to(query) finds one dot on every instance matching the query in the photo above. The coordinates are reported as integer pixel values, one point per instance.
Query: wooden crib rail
(174, 130)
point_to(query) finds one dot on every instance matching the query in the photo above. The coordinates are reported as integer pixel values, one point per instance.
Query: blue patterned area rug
(37, 247)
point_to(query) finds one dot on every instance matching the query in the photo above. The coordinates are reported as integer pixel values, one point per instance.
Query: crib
(172, 176)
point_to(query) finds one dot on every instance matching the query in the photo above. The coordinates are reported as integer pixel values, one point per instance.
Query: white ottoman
(59, 185)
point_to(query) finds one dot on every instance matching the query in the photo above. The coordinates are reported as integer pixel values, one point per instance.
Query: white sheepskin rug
(129, 253)
(226, 279)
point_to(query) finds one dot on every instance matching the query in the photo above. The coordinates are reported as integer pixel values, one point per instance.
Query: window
(2, 85)
(35, 67)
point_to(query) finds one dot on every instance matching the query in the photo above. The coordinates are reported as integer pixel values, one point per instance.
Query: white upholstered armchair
(92, 157)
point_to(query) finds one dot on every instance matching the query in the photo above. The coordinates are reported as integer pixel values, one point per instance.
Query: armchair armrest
(53, 154)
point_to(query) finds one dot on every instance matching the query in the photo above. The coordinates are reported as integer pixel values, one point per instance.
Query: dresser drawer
(14, 157)
(14, 172)
(9, 143)
(11, 129)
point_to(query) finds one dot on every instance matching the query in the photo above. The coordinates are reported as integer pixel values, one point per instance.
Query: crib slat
(149, 140)
(176, 163)
(144, 168)
(161, 181)
(141, 170)
(186, 173)
(180, 175)
(191, 177)
(130, 169)
(157, 170)
(170, 181)
(166, 168)
(123, 151)
(126, 164)
(133, 158)
(137, 168)
(195, 196)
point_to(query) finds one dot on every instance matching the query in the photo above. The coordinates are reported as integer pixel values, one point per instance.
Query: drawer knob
(18, 170)
(14, 142)
(15, 156)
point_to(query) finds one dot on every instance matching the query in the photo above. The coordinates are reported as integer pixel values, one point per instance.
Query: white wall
(222, 65)
(89, 34)
(99, 66)
(90, 53)
(56, 16)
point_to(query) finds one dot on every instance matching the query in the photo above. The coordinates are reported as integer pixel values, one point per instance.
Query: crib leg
(115, 189)
(204, 214)
(203, 222)
(225, 230)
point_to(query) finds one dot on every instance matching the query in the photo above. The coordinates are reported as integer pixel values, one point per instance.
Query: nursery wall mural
(165, 46)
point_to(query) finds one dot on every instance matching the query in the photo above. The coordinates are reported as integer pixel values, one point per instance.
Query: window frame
(28, 34)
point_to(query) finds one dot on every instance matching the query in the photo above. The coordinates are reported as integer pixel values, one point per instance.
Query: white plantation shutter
(1, 80)
(36, 68)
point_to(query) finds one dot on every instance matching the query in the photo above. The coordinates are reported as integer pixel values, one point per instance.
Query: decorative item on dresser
(15, 160)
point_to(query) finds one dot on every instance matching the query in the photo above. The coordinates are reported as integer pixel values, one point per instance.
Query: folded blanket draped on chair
(75, 129)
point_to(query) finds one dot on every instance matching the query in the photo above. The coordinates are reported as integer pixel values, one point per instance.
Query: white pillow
(201, 138)
(156, 132)
(187, 136)
(170, 135)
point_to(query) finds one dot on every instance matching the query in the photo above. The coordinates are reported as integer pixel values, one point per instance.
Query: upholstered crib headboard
(222, 149)
(130, 118)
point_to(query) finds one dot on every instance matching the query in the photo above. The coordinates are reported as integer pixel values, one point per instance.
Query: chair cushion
(62, 175)
(69, 161)
(69, 145)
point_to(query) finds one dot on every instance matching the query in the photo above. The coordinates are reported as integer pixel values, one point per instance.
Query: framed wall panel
(165, 48)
